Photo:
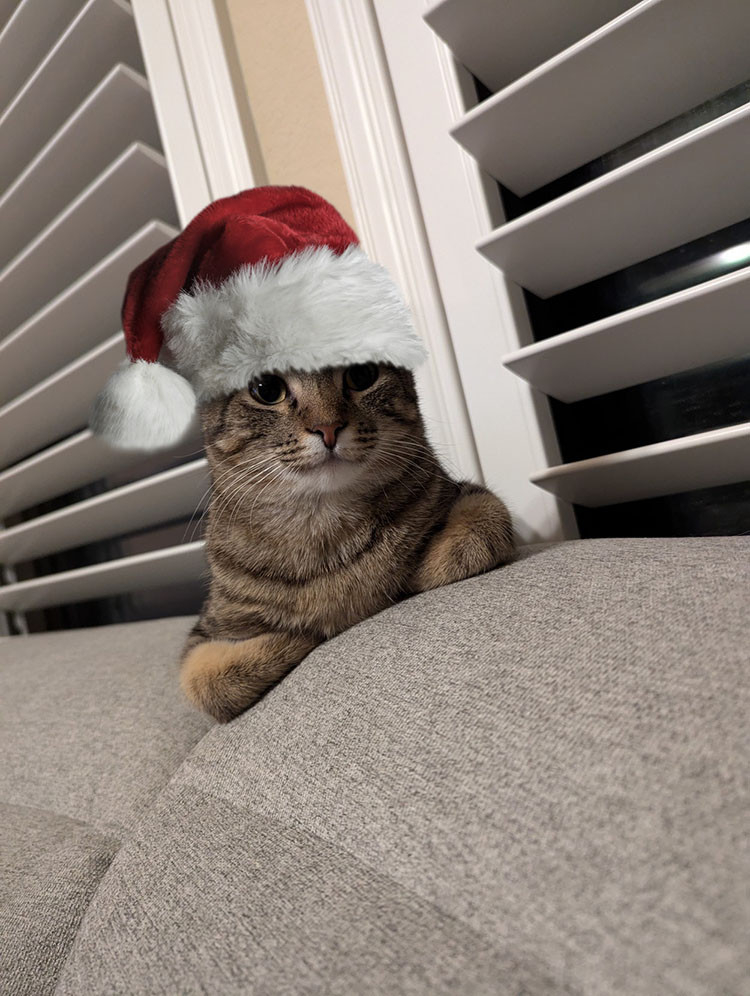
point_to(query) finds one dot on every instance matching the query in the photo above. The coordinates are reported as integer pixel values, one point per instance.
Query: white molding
(212, 96)
(386, 207)
(512, 423)
(174, 115)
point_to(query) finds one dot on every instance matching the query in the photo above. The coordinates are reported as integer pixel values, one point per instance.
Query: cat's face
(314, 432)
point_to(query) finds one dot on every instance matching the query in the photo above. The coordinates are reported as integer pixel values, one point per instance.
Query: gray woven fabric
(531, 782)
(92, 726)
(92, 722)
(50, 867)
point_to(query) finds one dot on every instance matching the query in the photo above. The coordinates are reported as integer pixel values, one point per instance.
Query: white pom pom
(144, 406)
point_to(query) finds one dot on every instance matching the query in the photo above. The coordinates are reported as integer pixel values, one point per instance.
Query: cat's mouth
(331, 462)
(332, 459)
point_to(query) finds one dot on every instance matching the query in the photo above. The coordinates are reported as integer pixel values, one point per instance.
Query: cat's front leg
(477, 536)
(225, 677)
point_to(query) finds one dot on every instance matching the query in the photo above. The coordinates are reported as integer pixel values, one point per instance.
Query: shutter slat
(133, 190)
(687, 188)
(703, 324)
(6, 11)
(70, 464)
(705, 460)
(608, 89)
(499, 42)
(163, 497)
(61, 468)
(117, 114)
(26, 39)
(59, 405)
(76, 319)
(173, 565)
(102, 35)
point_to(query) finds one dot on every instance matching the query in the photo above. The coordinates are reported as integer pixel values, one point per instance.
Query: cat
(328, 505)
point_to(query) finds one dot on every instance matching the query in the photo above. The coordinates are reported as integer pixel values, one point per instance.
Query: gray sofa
(532, 782)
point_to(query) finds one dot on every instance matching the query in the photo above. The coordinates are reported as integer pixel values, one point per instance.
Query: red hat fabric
(270, 279)
(265, 223)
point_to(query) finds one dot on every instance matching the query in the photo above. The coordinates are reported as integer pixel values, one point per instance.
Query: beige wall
(287, 120)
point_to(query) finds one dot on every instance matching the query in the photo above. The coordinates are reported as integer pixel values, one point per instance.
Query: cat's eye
(361, 376)
(268, 389)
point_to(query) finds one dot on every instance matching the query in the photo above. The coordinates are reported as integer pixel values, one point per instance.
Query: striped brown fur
(304, 542)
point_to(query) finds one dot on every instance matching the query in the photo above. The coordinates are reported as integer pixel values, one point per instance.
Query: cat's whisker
(253, 476)
(250, 461)
(412, 443)
(404, 466)
(257, 497)
(397, 447)
(242, 479)
(412, 451)
(202, 498)
(198, 522)
(222, 500)
(412, 447)
(215, 478)
(269, 475)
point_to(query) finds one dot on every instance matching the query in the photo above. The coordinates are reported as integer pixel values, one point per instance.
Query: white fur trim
(315, 309)
(144, 406)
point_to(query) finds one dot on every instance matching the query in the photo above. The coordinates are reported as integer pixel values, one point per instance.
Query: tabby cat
(328, 505)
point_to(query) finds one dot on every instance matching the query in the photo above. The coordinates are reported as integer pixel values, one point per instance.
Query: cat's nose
(329, 433)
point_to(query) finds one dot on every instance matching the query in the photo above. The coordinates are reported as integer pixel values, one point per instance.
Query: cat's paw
(224, 678)
(477, 537)
(216, 678)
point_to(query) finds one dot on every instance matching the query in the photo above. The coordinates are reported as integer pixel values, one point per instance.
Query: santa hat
(269, 280)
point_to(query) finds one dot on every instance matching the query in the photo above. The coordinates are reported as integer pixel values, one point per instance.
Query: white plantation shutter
(567, 83)
(85, 195)
(651, 63)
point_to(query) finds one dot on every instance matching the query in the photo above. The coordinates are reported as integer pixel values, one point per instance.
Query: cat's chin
(329, 475)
